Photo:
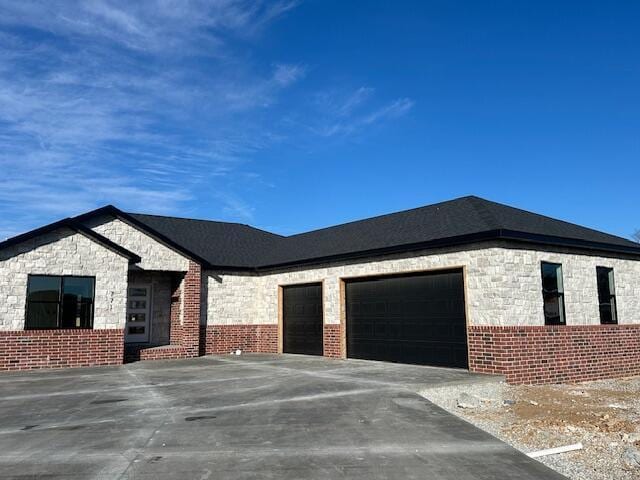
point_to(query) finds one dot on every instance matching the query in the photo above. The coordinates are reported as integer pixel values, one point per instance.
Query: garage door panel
(410, 319)
(302, 319)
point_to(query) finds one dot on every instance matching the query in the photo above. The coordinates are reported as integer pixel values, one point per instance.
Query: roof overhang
(470, 239)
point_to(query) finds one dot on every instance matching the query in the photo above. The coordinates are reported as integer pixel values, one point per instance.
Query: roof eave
(517, 236)
(499, 234)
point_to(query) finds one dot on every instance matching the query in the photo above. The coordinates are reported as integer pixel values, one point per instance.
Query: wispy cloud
(348, 114)
(151, 105)
(137, 103)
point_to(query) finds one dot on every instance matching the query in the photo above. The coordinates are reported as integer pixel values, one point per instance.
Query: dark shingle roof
(463, 220)
(219, 243)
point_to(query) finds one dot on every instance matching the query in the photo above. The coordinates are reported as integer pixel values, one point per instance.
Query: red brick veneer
(185, 328)
(28, 349)
(190, 335)
(216, 339)
(175, 329)
(554, 354)
(164, 352)
(332, 340)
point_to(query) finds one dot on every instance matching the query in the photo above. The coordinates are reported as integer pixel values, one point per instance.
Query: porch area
(163, 314)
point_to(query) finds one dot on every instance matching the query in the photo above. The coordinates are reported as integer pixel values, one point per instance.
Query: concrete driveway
(248, 417)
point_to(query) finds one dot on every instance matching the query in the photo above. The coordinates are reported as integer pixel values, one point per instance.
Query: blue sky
(294, 115)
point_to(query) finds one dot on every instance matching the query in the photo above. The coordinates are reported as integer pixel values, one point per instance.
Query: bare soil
(603, 415)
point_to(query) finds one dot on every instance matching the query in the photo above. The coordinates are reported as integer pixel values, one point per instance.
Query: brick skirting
(140, 351)
(555, 354)
(29, 349)
(332, 340)
(217, 339)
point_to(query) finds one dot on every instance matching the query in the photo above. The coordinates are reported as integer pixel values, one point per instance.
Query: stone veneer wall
(63, 252)
(503, 293)
(154, 255)
(503, 286)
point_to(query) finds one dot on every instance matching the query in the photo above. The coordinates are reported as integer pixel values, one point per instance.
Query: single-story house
(466, 283)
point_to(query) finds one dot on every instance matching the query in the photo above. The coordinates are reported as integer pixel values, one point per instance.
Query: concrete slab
(247, 417)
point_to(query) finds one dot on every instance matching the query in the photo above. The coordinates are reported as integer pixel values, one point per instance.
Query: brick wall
(332, 341)
(191, 291)
(555, 354)
(221, 339)
(28, 349)
(185, 312)
(175, 329)
(164, 352)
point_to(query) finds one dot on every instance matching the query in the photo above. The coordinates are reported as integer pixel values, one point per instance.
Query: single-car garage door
(302, 319)
(416, 319)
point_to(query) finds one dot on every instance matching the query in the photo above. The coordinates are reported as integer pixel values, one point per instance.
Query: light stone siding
(63, 252)
(160, 303)
(503, 286)
(521, 290)
(154, 255)
(232, 299)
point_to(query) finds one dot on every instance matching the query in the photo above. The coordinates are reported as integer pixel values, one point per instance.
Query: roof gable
(71, 224)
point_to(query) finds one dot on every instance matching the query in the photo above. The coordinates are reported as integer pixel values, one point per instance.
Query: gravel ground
(603, 415)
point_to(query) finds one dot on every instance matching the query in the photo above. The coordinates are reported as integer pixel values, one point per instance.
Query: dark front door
(408, 319)
(302, 319)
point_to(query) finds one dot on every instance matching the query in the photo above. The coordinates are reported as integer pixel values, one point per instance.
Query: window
(606, 295)
(59, 302)
(553, 294)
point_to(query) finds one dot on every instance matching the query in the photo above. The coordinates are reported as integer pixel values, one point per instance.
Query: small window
(606, 295)
(553, 294)
(59, 302)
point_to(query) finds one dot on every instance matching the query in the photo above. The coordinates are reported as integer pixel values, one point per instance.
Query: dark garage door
(409, 319)
(302, 319)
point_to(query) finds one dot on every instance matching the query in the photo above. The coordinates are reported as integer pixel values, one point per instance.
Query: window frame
(612, 297)
(558, 292)
(59, 302)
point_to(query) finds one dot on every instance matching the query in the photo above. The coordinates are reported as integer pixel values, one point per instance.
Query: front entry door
(138, 308)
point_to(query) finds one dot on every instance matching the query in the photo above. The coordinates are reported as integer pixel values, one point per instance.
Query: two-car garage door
(409, 319)
(417, 318)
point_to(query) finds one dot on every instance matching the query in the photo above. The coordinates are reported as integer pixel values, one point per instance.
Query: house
(466, 283)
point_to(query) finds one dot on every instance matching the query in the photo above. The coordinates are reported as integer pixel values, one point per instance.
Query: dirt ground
(603, 415)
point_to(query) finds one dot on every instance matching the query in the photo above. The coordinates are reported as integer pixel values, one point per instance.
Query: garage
(302, 319)
(418, 319)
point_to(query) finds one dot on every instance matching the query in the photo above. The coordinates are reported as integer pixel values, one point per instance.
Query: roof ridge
(480, 206)
(444, 202)
(205, 221)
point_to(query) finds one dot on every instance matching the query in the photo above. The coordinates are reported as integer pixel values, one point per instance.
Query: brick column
(332, 340)
(190, 331)
(175, 331)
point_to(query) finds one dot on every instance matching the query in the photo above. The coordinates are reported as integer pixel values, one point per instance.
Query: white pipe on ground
(553, 451)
